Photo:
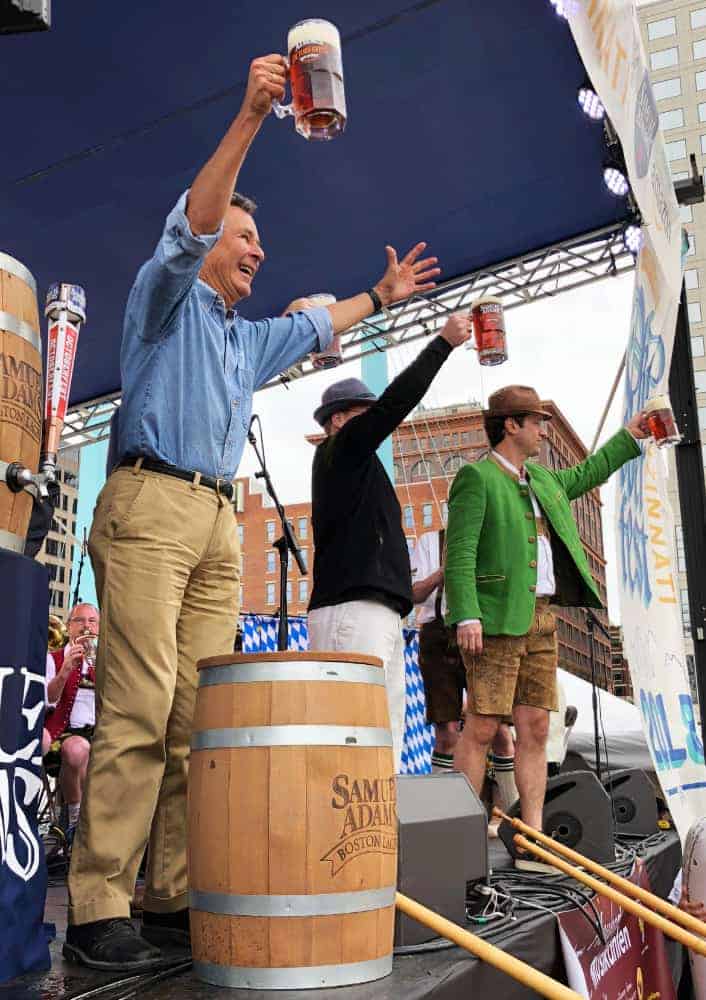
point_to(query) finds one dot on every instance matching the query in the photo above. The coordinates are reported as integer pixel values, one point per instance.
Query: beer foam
(485, 300)
(657, 403)
(313, 31)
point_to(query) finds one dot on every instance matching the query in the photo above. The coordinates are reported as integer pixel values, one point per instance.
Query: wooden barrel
(292, 821)
(20, 392)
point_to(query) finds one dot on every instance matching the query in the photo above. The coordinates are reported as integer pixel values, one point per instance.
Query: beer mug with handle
(316, 78)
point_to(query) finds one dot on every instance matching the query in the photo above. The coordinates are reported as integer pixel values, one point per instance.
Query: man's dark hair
(241, 201)
(495, 427)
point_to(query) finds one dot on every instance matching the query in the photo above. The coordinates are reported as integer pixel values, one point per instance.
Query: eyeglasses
(83, 621)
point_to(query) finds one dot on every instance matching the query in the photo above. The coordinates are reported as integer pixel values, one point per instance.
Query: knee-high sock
(504, 768)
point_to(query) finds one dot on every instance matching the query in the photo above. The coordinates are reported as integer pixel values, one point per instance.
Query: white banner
(608, 38)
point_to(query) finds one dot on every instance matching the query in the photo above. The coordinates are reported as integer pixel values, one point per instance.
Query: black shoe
(167, 928)
(112, 944)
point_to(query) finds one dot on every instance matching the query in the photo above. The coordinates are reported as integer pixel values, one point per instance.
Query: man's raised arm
(211, 192)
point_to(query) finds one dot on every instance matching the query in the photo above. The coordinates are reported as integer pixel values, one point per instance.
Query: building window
(241, 533)
(700, 381)
(411, 542)
(303, 527)
(676, 150)
(409, 517)
(303, 591)
(691, 278)
(74, 506)
(671, 119)
(270, 593)
(685, 616)
(426, 515)
(680, 175)
(664, 58)
(661, 29)
(289, 590)
(685, 211)
(701, 413)
(691, 252)
(444, 511)
(699, 49)
(667, 88)
(698, 18)
(697, 347)
(453, 464)
(270, 529)
(305, 557)
(241, 595)
(694, 312)
(420, 471)
(271, 564)
(242, 564)
(700, 80)
(681, 560)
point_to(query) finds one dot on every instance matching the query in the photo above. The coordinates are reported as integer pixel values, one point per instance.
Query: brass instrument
(58, 633)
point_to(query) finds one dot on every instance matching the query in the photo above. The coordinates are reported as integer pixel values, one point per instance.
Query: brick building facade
(428, 449)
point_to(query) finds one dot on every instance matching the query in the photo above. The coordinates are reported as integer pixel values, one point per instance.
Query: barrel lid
(16, 267)
(288, 657)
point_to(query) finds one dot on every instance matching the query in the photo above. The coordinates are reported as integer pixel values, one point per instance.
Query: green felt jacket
(491, 539)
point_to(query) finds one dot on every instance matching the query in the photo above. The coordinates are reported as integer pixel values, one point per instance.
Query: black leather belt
(221, 486)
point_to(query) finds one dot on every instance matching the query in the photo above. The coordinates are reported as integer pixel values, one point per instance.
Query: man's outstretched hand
(408, 276)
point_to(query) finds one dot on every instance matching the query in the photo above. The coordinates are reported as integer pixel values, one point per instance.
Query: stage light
(615, 179)
(633, 237)
(589, 102)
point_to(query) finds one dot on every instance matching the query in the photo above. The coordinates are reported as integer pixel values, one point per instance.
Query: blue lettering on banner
(661, 740)
(644, 368)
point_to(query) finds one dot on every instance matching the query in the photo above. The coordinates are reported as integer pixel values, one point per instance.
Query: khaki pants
(166, 559)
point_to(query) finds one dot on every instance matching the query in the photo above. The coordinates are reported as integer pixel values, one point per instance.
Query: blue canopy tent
(463, 131)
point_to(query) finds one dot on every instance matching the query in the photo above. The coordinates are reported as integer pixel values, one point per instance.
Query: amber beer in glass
(316, 77)
(661, 422)
(489, 330)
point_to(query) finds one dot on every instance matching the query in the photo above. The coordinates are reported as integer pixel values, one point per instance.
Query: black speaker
(443, 844)
(576, 813)
(634, 802)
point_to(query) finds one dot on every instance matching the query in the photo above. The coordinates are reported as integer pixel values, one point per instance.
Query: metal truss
(542, 274)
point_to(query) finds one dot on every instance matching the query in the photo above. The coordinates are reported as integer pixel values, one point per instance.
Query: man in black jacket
(362, 578)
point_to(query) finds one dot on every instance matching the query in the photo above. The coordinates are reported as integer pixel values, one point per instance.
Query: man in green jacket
(513, 550)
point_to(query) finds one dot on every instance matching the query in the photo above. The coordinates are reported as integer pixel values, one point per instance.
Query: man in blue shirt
(164, 540)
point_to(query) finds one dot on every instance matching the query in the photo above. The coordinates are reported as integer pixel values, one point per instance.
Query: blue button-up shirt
(189, 368)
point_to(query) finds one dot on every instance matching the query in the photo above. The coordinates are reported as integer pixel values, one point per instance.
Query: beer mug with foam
(333, 355)
(316, 78)
(661, 422)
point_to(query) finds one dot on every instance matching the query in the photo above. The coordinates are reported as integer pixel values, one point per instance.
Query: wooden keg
(20, 392)
(292, 821)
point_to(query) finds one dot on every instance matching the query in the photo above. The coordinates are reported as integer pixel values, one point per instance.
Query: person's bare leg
(74, 761)
(447, 734)
(472, 748)
(532, 728)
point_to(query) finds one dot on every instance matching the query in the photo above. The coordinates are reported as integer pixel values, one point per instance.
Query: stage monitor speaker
(24, 15)
(577, 813)
(634, 802)
(443, 844)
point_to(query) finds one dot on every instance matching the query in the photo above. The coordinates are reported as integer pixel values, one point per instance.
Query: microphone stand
(285, 544)
(80, 570)
(591, 621)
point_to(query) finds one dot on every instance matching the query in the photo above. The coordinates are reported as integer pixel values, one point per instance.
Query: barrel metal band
(301, 670)
(12, 266)
(21, 329)
(307, 977)
(15, 543)
(315, 905)
(291, 736)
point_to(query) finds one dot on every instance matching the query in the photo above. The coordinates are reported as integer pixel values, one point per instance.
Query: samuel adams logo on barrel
(20, 394)
(368, 816)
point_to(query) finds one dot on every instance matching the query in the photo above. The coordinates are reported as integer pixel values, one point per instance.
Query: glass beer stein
(332, 357)
(489, 330)
(316, 78)
(90, 647)
(661, 422)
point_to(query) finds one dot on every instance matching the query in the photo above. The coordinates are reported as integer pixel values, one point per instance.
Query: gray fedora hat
(341, 395)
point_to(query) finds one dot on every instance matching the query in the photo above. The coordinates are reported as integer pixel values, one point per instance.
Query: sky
(569, 348)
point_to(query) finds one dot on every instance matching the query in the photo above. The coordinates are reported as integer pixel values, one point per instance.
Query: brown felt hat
(515, 399)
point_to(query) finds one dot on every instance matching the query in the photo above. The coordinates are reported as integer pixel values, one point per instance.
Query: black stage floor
(447, 974)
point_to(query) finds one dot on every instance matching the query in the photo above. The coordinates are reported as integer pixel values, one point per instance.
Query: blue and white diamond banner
(260, 636)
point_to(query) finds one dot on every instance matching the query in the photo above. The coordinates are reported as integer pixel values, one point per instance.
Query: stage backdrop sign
(632, 963)
(608, 37)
